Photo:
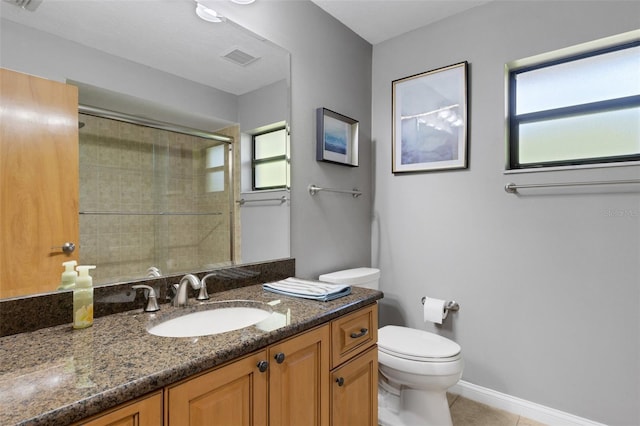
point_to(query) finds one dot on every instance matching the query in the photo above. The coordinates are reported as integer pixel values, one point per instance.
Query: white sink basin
(219, 318)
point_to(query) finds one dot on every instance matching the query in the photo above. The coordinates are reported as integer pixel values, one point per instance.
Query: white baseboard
(531, 410)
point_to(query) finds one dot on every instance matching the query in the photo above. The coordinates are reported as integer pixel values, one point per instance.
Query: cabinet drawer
(353, 333)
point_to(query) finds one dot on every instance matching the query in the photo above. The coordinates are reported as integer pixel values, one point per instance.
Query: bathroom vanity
(311, 363)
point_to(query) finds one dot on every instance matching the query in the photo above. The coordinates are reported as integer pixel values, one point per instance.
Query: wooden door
(39, 178)
(143, 412)
(354, 391)
(298, 380)
(235, 394)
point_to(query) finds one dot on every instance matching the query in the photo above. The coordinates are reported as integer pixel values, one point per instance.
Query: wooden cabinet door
(39, 175)
(143, 412)
(298, 380)
(354, 391)
(235, 394)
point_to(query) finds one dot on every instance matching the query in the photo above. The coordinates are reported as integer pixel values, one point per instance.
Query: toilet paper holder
(451, 305)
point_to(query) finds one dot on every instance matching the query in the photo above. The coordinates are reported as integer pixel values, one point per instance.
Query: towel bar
(512, 188)
(313, 190)
(243, 201)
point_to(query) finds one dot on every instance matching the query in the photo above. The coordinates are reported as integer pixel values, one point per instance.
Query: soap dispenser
(83, 298)
(68, 279)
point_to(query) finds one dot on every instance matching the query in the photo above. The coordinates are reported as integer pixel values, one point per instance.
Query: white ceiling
(380, 20)
(168, 36)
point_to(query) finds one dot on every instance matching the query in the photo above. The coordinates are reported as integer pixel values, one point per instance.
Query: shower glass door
(152, 198)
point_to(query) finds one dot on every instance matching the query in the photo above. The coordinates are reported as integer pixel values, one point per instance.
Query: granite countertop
(58, 375)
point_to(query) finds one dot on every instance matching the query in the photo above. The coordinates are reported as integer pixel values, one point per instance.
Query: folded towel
(316, 290)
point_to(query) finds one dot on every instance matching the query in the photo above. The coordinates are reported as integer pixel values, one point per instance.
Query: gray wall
(330, 67)
(548, 281)
(264, 107)
(266, 230)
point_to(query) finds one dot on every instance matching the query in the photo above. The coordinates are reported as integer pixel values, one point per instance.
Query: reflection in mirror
(161, 64)
(152, 200)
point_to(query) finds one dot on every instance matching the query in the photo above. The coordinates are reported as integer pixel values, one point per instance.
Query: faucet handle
(203, 294)
(172, 292)
(152, 300)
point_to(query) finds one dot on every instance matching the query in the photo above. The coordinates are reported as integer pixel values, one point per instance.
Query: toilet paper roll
(434, 310)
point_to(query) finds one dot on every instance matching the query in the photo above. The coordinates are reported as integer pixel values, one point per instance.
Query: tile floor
(466, 412)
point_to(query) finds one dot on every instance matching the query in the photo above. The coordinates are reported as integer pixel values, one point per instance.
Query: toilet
(415, 367)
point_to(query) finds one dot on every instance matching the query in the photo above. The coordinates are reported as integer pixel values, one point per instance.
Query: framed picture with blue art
(337, 138)
(430, 119)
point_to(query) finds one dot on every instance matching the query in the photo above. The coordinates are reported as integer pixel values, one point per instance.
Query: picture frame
(337, 138)
(430, 120)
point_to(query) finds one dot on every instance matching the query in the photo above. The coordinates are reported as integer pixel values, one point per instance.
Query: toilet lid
(419, 345)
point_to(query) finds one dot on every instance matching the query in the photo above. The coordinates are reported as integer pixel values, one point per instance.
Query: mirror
(162, 64)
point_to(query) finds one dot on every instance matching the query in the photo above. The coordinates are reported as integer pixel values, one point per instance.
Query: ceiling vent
(30, 5)
(239, 57)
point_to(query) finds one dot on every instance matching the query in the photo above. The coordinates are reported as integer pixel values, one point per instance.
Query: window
(583, 109)
(214, 168)
(270, 163)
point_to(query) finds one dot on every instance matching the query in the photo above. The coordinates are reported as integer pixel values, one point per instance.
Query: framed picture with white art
(430, 119)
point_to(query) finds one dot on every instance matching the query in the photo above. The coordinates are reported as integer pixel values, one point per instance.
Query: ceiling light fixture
(242, 1)
(208, 14)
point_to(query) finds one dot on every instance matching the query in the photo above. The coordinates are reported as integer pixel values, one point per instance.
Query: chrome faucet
(180, 298)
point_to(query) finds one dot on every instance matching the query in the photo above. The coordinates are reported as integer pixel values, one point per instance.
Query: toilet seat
(416, 345)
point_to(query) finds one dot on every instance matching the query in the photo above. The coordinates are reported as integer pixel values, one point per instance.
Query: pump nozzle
(68, 279)
(69, 265)
(84, 280)
(83, 270)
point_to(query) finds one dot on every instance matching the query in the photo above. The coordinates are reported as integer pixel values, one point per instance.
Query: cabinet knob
(363, 332)
(279, 357)
(340, 381)
(262, 366)
(67, 247)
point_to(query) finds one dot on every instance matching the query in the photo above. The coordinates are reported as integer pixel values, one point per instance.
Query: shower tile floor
(466, 412)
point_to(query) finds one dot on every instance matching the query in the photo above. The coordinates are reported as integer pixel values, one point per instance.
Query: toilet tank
(361, 277)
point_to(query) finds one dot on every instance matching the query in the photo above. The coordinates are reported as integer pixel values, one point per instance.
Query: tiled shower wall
(144, 202)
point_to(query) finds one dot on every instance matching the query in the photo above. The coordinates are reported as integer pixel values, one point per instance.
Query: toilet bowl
(416, 367)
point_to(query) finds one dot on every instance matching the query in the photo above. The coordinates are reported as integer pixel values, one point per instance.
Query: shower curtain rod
(120, 116)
